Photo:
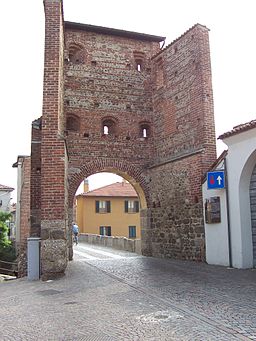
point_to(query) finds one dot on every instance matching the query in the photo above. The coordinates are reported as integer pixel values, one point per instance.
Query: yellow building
(111, 210)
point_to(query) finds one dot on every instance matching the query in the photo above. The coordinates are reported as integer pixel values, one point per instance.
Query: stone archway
(127, 171)
(166, 164)
(245, 207)
(253, 213)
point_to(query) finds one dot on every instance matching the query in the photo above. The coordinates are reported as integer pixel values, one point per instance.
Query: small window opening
(105, 130)
(108, 127)
(139, 58)
(144, 130)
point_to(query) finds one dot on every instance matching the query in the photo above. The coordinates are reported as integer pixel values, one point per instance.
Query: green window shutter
(108, 207)
(126, 206)
(101, 230)
(137, 206)
(132, 231)
(97, 206)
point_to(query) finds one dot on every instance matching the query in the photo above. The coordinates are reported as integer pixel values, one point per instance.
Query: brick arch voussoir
(135, 174)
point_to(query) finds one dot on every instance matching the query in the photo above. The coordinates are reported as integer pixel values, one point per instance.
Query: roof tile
(118, 189)
(239, 129)
(6, 188)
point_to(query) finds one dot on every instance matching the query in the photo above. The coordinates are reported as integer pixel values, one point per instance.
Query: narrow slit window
(105, 130)
(139, 67)
(144, 130)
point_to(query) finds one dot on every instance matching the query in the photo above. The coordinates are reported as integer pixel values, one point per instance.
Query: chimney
(86, 185)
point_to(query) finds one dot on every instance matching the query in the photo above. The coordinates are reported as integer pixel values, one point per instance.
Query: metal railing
(9, 268)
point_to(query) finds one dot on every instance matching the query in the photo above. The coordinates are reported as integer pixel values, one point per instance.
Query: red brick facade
(157, 106)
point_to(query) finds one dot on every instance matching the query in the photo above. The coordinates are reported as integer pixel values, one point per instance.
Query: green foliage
(4, 217)
(7, 250)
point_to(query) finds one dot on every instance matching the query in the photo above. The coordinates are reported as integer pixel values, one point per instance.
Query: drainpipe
(228, 215)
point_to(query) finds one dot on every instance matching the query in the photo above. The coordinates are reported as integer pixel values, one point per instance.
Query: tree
(7, 251)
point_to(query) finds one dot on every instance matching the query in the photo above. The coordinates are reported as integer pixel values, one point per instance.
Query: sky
(232, 36)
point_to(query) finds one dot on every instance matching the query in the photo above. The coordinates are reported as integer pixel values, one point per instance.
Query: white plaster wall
(216, 235)
(241, 159)
(5, 196)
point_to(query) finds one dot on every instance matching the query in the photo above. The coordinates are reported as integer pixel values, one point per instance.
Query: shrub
(7, 250)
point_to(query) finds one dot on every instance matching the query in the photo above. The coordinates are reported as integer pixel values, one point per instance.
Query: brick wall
(53, 156)
(103, 83)
(184, 145)
(123, 82)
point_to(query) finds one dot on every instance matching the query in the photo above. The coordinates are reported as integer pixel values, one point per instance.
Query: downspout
(228, 215)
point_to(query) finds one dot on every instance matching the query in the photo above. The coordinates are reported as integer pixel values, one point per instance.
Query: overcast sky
(232, 27)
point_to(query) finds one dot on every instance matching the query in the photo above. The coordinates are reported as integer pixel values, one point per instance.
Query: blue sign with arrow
(216, 180)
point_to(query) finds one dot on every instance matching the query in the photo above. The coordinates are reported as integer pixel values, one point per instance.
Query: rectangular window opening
(132, 231)
(105, 231)
(131, 206)
(102, 206)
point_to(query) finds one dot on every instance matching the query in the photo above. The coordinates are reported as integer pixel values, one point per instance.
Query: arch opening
(122, 215)
(246, 206)
(145, 130)
(109, 126)
(76, 53)
(253, 212)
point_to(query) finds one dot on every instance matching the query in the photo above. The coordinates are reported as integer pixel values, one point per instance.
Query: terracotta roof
(118, 189)
(113, 31)
(6, 188)
(239, 129)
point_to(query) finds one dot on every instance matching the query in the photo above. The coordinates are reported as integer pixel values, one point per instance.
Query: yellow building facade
(111, 210)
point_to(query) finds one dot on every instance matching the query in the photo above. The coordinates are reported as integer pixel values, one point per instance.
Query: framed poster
(212, 210)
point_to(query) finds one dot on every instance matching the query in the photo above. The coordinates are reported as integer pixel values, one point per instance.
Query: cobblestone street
(112, 295)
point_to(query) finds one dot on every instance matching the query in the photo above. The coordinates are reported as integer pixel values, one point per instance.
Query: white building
(5, 198)
(230, 212)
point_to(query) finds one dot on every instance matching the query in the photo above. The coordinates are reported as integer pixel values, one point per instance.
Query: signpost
(216, 180)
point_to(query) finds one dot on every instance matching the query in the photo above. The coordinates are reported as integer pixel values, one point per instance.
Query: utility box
(33, 258)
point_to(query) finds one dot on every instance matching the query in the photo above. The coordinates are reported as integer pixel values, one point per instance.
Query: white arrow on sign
(219, 178)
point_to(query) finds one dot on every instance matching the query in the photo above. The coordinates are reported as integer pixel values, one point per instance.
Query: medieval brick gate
(115, 101)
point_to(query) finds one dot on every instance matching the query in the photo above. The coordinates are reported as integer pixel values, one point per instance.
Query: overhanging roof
(112, 31)
(239, 129)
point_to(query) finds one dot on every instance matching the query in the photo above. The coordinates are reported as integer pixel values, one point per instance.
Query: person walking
(75, 230)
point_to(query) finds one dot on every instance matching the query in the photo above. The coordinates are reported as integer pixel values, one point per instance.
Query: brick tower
(115, 101)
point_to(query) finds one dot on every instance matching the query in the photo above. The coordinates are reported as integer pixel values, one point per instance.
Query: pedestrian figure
(75, 230)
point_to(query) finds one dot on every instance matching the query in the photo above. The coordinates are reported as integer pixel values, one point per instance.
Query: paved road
(115, 296)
